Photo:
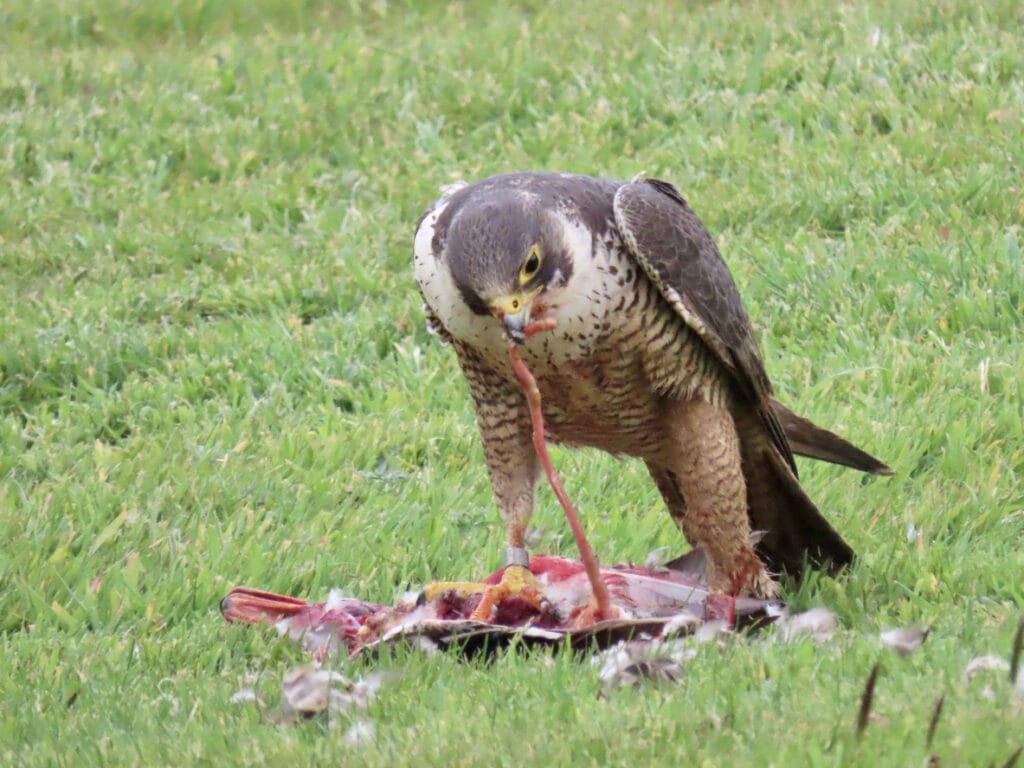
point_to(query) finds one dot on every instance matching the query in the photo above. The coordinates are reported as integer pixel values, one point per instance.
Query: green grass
(213, 368)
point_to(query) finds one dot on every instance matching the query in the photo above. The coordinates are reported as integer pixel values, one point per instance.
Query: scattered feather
(359, 733)
(409, 600)
(681, 624)
(817, 624)
(632, 663)
(426, 646)
(905, 640)
(321, 640)
(987, 663)
(308, 691)
(712, 631)
(245, 696)
(657, 558)
(364, 690)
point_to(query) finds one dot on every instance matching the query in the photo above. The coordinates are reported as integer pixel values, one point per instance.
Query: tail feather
(808, 439)
(795, 533)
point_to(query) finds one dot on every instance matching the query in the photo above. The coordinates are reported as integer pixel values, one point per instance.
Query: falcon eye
(531, 265)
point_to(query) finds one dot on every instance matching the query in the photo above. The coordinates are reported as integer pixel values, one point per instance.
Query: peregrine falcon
(652, 355)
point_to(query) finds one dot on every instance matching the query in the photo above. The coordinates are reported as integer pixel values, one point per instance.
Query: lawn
(214, 371)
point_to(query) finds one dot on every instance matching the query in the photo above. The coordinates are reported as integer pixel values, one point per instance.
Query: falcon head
(505, 253)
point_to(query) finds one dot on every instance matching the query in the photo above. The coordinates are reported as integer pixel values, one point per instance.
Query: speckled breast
(617, 356)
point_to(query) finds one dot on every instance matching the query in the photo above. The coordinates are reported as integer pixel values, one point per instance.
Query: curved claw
(516, 583)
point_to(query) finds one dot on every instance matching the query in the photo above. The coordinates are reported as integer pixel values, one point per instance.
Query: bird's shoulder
(680, 257)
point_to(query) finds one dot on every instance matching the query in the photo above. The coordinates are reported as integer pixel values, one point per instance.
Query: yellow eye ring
(531, 265)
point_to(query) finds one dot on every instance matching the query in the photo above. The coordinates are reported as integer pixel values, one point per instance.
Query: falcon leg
(504, 421)
(513, 468)
(707, 473)
(516, 581)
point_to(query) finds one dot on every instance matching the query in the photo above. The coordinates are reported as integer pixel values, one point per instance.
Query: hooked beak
(514, 313)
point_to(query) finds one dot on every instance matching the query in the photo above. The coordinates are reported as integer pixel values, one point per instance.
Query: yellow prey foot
(461, 589)
(516, 582)
(517, 585)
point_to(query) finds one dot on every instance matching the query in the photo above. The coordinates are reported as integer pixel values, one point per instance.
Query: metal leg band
(517, 556)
